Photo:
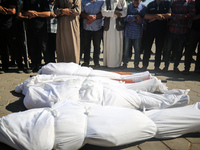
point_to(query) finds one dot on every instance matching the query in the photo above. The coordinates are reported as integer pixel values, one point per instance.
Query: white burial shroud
(80, 108)
(68, 126)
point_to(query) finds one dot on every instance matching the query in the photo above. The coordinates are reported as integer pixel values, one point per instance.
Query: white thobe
(113, 39)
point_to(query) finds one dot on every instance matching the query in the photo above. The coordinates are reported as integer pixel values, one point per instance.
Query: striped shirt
(134, 30)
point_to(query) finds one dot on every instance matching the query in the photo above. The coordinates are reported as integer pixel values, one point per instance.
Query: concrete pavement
(12, 102)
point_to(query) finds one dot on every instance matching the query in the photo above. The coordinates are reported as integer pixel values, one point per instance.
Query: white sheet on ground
(63, 127)
(95, 90)
(174, 122)
(114, 126)
(31, 129)
(68, 126)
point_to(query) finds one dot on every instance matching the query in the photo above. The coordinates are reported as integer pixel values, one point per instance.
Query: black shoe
(85, 64)
(197, 70)
(176, 70)
(157, 70)
(2, 72)
(96, 65)
(186, 72)
(28, 71)
(20, 69)
(165, 69)
(124, 66)
(137, 68)
(35, 68)
(143, 69)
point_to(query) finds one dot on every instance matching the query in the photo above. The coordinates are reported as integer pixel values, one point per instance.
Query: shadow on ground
(17, 105)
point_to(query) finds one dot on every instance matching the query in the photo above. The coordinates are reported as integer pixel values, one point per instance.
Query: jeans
(96, 37)
(193, 40)
(181, 39)
(128, 43)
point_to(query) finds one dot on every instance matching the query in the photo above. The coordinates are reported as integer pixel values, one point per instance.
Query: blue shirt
(134, 30)
(92, 9)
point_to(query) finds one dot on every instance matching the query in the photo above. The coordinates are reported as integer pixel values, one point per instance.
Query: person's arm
(76, 9)
(91, 18)
(191, 12)
(3, 10)
(44, 14)
(8, 11)
(167, 15)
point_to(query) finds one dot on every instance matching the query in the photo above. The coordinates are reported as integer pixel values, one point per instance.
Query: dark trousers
(181, 39)
(96, 37)
(37, 42)
(193, 40)
(51, 46)
(9, 43)
(5, 40)
(159, 42)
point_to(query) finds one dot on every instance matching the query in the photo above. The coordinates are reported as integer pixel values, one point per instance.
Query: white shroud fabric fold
(114, 126)
(95, 90)
(68, 126)
(174, 122)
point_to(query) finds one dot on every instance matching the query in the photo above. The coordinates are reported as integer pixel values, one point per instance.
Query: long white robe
(113, 39)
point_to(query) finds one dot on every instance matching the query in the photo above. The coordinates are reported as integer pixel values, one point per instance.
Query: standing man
(157, 15)
(37, 12)
(7, 12)
(193, 41)
(92, 28)
(114, 10)
(68, 31)
(133, 31)
(182, 12)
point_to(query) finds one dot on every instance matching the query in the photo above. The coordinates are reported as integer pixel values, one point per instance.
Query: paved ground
(12, 102)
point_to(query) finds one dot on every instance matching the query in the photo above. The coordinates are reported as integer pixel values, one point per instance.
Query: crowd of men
(31, 29)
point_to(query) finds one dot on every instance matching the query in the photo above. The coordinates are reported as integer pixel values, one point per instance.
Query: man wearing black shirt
(157, 14)
(193, 41)
(7, 11)
(37, 11)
